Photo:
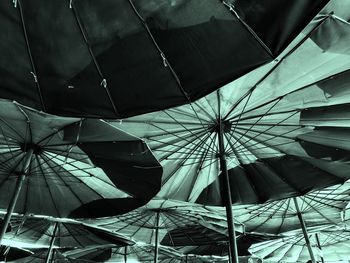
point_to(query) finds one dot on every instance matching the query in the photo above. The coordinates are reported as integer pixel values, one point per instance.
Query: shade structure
(332, 245)
(318, 208)
(33, 232)
(61, 56)
(268, 129)
(49, 164)
(136, 253)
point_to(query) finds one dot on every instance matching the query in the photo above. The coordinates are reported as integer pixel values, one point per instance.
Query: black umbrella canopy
(318, 208)
(265, 128)
(121, 58)
(33, 232)
(61, 154)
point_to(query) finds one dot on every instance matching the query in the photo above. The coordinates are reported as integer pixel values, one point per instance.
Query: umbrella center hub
(226, 126)
(36, 148)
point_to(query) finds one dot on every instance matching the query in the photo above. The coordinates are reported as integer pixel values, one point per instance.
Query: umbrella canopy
(57, 157)
(267, 126)
(331, 244)
(138, 252)
(121, 58)
(318, 208)
(32, 232)
(206, 242)
(140, 224)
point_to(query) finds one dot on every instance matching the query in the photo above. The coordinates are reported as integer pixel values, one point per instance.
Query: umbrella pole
(319, 246)
(156, 238)
(305, 233)
(51, 243)
(125, 254)
(233, 253)
(19, 183)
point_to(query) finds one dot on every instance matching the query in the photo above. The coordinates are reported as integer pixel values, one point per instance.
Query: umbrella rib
(264, 132)
(284, 214)
(282, 178)
(93, 57)
(47, 161)
(277, 63)
(231, 8)
(319, 200)
(273, 135)
(167, 178)
(47, 185)
(272, 146)
(179, 123)
(265, 114)
(34, 71)
(269, 217)
(14, 167)
(161, 53)
(197, 137)
(319, 212)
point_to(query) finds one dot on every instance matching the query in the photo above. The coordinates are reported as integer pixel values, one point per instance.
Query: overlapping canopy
(270, 131)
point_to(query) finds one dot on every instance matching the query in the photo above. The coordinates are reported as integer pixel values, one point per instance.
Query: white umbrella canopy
(266, 122)
(318, 208)
(330, 244)
(140, 224)
(139, 252)
(38, 232)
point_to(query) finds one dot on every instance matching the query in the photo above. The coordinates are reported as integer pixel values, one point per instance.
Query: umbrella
(139, 252)
(121, 58)
(156, 219)
(258, 131)
(331, 244)
(53, 233)
(48, 164)
(317, 208)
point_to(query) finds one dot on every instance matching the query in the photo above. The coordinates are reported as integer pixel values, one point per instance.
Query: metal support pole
(156, 238)
(186, 259)
(319, 246)
(51, 243)
(305, 233)
(125, 254)
(14, 198)
(226, 195)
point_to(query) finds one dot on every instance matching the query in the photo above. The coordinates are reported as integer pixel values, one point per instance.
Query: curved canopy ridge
(60, 55)
(264, 115)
